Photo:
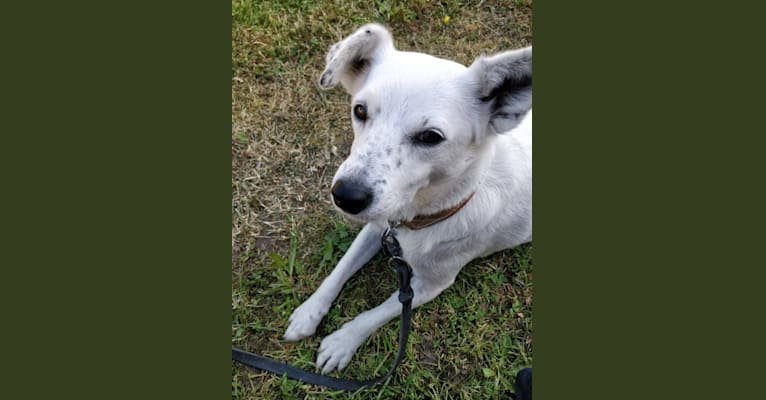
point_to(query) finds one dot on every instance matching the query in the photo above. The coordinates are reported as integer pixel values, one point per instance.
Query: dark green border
(116, 279)
(647, 228)
(648, 168)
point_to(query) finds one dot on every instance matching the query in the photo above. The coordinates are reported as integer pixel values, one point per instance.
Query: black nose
(351, 196)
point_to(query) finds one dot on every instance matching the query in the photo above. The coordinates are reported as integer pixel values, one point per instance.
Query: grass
(287, 140)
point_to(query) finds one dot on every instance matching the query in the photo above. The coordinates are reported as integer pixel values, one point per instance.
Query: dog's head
(422, 125)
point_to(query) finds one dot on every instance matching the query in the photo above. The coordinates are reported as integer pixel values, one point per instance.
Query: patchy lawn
(288, 137)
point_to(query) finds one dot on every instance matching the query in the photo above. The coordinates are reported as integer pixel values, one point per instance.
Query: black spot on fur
(388, 151)
(324, 80)
(379, 182)
(398, 163)
(358, 65)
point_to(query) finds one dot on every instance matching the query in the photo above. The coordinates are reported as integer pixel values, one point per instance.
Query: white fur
(405, 93)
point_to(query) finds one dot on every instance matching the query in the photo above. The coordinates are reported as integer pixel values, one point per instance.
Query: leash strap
(403, 273)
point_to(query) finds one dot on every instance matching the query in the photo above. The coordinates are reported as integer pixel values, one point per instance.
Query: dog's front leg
(305, 318)
(337, 349)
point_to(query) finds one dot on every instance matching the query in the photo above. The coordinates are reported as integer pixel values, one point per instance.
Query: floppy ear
(505, 87)
(349, 61)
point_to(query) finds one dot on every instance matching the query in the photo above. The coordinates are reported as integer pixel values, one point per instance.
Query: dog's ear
(504, 83)
(349, 61)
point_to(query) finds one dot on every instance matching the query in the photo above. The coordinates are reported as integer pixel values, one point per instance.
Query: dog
(442, 152)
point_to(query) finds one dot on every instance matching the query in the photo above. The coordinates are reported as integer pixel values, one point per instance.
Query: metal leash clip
(403, 270)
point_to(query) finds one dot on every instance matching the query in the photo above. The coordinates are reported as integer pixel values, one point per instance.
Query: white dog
(442, 151)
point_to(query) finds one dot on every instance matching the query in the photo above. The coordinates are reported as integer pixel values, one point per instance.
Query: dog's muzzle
(351, 196)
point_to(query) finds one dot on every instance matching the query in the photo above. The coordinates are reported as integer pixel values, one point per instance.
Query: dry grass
(288, 137)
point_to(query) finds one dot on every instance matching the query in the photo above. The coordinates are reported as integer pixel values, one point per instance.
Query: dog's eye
(430, 137)
(360, 112)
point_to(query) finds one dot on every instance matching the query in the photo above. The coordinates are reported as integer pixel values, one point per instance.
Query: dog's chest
(427, 249)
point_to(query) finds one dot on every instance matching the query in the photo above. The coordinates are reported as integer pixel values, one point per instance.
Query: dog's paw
(336, 350)
(305, 318)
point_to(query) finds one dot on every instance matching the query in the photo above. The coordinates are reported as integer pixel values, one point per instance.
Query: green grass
(287, 140)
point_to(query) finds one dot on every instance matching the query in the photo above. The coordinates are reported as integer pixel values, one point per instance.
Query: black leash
(403, 273)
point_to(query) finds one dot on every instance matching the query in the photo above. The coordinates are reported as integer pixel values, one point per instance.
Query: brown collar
(423, 221)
